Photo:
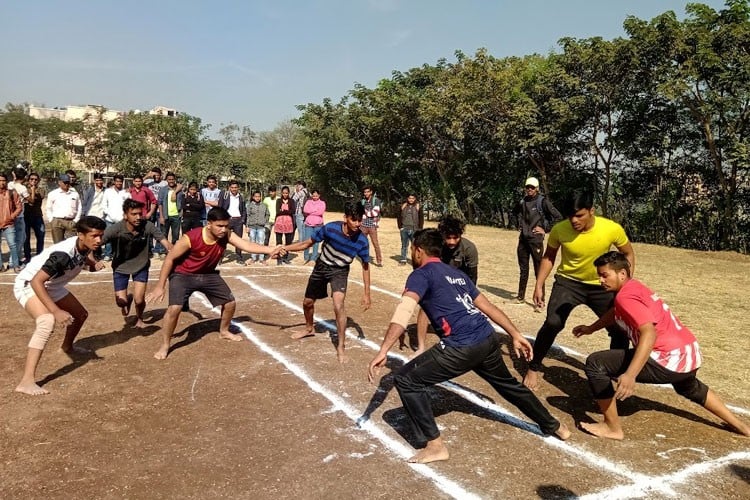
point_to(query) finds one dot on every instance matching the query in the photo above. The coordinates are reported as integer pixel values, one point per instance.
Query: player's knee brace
(45, 325)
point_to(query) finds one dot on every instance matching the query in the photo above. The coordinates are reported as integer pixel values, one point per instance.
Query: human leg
(140, 281)
(20, 233)
(279, 238)
(10, 238)
(70, 303)
(537, 252)
(565, 296)
(376, 245)
(422, 323)
(58, 230)
(227, 313)
(305, 234)
(288, 237)
(167, 330)
(339, 309)
(522, 253)
(45, 325)
(493, 370)
(404, 244)
(237, 228)
(174, 227)
(122, 298)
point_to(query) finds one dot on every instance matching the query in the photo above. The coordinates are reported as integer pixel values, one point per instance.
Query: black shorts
(213, 286)
(317, 285)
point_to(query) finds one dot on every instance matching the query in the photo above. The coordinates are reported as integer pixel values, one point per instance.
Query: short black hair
(616, 260)
(193, 184)
(170, 174)
(20, 173)
(137, 176)
(217, 213)
(577, 200)
(429, 240)
(211, 177)
(156, 170)
(271, 188)
(451, 226)
(354, 209)
(257, 192)
(98, 175)
(302, 183)
(233, 182)
(118, 176)
(72, 172)
(130, 204)
(90, 223)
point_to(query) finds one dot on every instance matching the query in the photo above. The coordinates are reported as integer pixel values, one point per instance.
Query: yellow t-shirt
(580, 250)
(171, 205)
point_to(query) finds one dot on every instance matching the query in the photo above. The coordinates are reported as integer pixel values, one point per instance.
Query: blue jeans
(257, 235)
(158, 248)
(9, 233)
(36, 224)
(20, 225)
(407, 236)
(312, 252)
(299, 219)
(107, 252)
(172, 225)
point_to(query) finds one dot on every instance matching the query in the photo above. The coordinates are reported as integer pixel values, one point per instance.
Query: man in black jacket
(536, 216)
(233, 202)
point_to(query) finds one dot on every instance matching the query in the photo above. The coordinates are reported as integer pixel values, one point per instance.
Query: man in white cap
(536, 216)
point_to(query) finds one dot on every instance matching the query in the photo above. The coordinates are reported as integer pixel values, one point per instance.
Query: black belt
(63, 218)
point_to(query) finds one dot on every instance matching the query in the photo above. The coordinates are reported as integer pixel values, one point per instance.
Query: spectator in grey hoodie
(258, 216)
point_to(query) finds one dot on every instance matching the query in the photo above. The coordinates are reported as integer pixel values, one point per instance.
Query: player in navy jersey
(468, 342)
(342, 242)
(40, 289)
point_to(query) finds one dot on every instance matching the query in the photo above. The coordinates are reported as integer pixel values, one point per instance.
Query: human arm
(545, 267)
(626, 381)
(607, 319)
(48, 208)
(178, 250)
(399, 217)
(252, 247)
(151, 203)
(396, 328)
(521, 346)
(471, 258)
(420, 217)
(627, 249)
(17, 203)
(79, 208)
(553, 214)
(366, 280)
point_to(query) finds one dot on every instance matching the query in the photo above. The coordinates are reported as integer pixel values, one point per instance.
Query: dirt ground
(275, 418)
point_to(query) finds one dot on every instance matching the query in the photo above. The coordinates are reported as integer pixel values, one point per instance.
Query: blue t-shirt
(339, 250)
(447, 297)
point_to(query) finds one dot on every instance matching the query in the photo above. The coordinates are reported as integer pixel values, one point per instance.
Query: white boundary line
(446, 485)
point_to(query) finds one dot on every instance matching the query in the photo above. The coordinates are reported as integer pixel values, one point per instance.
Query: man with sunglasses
(536, 216)
(34, 217)
(63, 209)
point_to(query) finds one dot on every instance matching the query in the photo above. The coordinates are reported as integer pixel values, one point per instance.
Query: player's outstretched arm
(521, 346)
(178, 250)
(300, 245)
(606, 320)
(396, 328)
(545, 268)
(251, 247)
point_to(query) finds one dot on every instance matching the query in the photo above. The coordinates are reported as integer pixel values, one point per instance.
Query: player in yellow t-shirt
(581, 238)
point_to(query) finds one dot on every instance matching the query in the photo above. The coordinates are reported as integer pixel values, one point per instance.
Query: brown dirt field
(276, 418)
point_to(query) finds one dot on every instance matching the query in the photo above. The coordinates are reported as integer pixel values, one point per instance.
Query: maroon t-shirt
(203, 257)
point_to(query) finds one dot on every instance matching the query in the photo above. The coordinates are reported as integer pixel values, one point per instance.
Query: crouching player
(468, 342)
(665, 352)
(40, 289)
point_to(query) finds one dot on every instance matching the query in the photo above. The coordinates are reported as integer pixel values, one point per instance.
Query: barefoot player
(131, 240)
(194, 259)
(342, 242)
(40, 289)
(665, 352)
(468, 342)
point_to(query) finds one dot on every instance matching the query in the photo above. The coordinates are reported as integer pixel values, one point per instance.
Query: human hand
(63, 318)
(366, 302)
(161, 220)
(99, 265)
(156, 295)
(538, 298)
(373, 370)
(581, 330)
(522, 348)
(538, 230)
(625, 386)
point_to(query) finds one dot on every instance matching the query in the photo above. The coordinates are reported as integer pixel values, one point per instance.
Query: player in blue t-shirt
(468, 342)
(342, 242)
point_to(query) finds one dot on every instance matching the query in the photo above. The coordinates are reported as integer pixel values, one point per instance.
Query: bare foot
(75, 350)
(341, 357)
(234, 337)
(430, 453)
(162, 353)
(600, 429)
(563, 432)
(531, 380)
(301, 334)
(31, 389)
(139, 324)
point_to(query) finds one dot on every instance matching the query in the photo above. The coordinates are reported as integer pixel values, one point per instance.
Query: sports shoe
(518, 300)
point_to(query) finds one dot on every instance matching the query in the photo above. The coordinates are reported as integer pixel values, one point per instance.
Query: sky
(251, 62)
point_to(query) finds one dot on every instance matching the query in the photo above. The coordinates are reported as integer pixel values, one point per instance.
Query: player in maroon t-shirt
(665, 351)
(194, 259)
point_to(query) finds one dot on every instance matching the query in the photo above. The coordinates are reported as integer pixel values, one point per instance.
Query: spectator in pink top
(313, 211)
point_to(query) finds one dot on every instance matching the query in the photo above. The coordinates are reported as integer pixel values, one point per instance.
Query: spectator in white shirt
(63, 209)
(114, 196)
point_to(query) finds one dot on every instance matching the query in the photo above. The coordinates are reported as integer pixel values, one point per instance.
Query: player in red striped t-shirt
(665, 352)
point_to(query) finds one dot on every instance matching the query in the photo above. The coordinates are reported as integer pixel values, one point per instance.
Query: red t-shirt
(675, 348)
(203, 257)
(145, 196)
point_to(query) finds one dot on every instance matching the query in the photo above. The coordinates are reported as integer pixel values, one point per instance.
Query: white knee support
(45, 325)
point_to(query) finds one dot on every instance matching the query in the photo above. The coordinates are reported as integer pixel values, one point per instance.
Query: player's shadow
(554, 492)
(741, 472)
(498, 292)
(197, 331)
(384, 387)
(333, 334)
(579, 400)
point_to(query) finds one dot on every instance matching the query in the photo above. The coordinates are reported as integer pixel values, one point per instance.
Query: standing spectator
(93, 197)
(139, 192)
(270, 202)
(34, 217)
(73, 179)
(155, 183)
(284, 224)
(211, 194)
(536, 216)
(580, 239)
(170, 205)
(300, 197)
(193, 208)
(313, 210)
(63, 209)
(10, 208)
(372, 219)
(233, 202)
(410, 219)
(114, 196)
(257, 220)
(19, 178)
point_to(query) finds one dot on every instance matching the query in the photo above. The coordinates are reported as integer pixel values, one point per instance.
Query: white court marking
(642, 484)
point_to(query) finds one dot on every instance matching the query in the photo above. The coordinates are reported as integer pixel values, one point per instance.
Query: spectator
(93, 197)
(233, 202)
(63, 209)
(34, 217)
(193, 208)
(371, 221)
(10, 209)
(300, 197)
(270, 202)
(139, 192)
(284, 223)
(257, 220)
(170, 206)
(155, 183)
(410, 219)
(313, 210)
(19, 178)
(114, 196)
(211, 194)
